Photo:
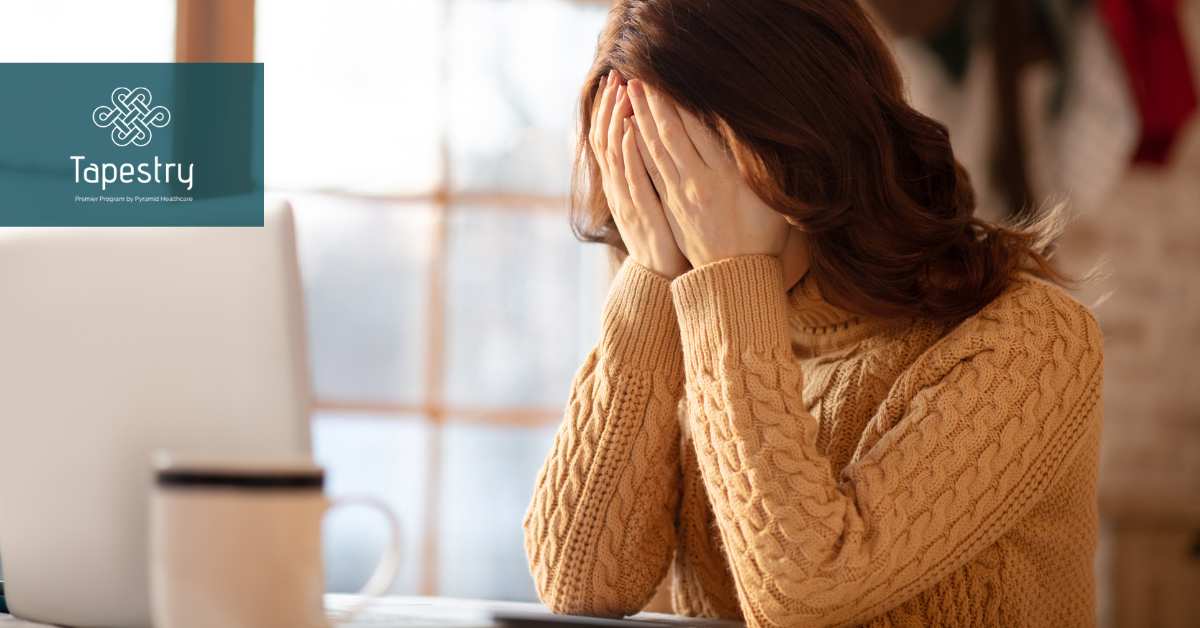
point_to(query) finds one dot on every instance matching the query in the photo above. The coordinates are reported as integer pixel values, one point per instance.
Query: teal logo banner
(131, 144)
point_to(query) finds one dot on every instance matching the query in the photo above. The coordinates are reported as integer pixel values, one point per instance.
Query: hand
(635, 207)
(716, 215)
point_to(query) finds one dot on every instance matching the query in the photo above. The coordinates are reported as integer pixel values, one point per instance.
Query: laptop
(115, 342)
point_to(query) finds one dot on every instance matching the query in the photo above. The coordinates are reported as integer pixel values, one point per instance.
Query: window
(426, 148)
(71, 31)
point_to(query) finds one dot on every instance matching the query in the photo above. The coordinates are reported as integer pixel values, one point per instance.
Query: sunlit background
(426, 147)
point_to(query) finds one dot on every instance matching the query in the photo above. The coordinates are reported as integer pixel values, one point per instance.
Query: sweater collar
(816, 326)
(809, 311)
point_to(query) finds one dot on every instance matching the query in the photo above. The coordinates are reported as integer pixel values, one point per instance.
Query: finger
(595, 117)
(672, 133)
(600, 143)
(623, 108)
(652, 173)
(648, 163)
(619, 181)
(615, 130)
(708, 144)
(641, 188)
(656, 151)
(595, 138)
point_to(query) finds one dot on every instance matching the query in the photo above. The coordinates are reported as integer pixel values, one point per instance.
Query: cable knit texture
(825, 469)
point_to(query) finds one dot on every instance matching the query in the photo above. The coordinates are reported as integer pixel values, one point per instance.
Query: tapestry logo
(131, 116)
(179, 145)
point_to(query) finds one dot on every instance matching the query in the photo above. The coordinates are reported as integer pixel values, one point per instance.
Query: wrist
(738, 303)
(640, 328)
(667, 264)
(704, 260)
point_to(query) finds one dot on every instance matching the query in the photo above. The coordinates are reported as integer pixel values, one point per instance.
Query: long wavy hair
(809, 98)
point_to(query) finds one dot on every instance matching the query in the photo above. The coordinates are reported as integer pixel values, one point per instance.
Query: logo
(131, 116)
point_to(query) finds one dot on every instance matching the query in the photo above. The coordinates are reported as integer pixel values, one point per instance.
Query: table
(440, 612)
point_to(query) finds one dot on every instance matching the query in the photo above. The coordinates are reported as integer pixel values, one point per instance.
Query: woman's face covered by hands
(675, 190)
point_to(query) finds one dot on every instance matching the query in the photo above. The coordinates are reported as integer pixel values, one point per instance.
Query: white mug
(237, 544)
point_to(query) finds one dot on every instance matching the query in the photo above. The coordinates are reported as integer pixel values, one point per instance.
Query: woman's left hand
(716, 215)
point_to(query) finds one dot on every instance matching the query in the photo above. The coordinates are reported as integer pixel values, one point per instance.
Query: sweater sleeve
(969, 457)
(600, 532)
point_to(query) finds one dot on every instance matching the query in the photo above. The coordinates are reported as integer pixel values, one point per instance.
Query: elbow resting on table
(574, 593)
(578, 598)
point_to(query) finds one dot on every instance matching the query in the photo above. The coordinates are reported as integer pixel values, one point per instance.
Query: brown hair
(809, 97)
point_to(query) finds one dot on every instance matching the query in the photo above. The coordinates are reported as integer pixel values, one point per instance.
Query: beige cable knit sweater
(829, 470)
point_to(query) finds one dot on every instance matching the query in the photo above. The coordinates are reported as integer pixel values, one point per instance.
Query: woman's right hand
(643, 224)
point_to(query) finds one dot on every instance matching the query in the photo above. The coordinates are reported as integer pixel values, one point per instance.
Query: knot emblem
(131, 116)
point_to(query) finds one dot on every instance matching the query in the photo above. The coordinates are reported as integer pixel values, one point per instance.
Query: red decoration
(1156, 61)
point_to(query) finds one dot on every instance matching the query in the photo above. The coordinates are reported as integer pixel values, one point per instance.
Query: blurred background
(426, 147)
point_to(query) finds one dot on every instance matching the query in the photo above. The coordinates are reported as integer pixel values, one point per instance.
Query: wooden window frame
(222, 31)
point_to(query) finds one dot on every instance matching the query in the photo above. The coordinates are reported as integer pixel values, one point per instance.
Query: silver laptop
(115, 342)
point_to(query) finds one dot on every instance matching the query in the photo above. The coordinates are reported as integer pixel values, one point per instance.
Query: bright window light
(84, 31)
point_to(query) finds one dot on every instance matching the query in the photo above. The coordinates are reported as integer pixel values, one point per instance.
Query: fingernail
(612, 75)
(626, 125)
(635, 89)
(620, 93)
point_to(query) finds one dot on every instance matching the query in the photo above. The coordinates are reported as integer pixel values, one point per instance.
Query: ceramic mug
(237, 543)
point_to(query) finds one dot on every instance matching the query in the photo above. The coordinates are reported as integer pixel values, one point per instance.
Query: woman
(890, 418)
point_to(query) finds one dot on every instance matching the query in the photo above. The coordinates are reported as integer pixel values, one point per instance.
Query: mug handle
(385, 571)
